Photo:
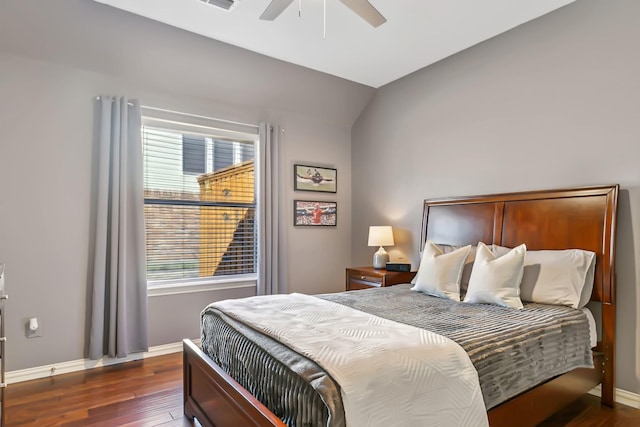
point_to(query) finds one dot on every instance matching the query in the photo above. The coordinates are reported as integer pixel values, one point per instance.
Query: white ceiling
(417, 32)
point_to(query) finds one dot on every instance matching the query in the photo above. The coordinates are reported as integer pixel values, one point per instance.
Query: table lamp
(380, 235)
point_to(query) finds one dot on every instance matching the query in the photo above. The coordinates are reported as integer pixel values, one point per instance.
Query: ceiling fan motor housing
(223, 4)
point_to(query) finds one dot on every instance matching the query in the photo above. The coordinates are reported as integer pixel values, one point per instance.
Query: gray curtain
(119, 293)
(271, 259)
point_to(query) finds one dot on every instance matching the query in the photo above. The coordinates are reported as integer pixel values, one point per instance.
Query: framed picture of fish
(315, 178)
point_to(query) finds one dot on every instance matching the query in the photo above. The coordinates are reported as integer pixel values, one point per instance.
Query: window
(194, 158)
(200, 202)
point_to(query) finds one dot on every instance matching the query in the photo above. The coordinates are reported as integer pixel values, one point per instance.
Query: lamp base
(380, 259)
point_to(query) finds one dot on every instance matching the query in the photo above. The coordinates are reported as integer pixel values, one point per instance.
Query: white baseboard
(83, 364)
(622, 397)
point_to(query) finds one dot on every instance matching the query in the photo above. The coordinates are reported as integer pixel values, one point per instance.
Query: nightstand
(369, 277)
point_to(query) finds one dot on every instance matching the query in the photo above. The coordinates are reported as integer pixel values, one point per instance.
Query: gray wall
(55, 57)
(553, 103)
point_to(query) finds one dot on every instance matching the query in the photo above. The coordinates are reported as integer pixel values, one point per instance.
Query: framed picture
(314, 213)
(314, 178)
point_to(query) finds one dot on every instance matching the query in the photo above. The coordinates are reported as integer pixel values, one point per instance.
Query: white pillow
(439, 273)
(466, 270)
(585, 295)
(468, 264)
(558, 277)
(496, 280)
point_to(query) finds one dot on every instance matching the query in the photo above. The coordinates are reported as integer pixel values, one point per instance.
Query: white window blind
(200, 202)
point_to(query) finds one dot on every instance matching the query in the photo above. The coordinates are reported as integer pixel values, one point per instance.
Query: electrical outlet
(33, 329)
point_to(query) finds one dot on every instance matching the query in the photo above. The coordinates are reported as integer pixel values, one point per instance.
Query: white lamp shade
(380, 235)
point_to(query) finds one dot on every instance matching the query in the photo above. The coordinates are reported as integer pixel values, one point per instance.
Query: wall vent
(223, 4)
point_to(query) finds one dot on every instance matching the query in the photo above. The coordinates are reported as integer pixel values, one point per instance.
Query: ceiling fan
(362, 8)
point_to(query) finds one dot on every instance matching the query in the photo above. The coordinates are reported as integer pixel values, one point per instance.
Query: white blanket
(390, 374)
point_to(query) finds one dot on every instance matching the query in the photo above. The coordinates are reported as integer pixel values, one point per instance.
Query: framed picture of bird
(315, 178)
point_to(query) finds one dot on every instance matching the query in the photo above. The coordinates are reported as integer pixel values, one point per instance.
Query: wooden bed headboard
(580, 218)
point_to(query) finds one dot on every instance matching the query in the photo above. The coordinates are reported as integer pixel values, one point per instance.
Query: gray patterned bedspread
(512, 350)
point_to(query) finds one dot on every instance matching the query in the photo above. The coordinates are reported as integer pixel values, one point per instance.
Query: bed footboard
(216, 399)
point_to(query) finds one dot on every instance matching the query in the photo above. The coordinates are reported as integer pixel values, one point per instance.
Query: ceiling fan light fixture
(222, 4)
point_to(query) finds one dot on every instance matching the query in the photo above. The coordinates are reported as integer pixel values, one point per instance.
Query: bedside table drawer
(368, 277)
(363, 282)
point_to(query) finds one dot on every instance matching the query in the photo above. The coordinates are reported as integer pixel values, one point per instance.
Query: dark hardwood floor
(141, 393)
(149, 393)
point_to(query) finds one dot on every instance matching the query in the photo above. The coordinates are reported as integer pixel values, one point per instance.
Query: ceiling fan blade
(275, 8)
(366, 11)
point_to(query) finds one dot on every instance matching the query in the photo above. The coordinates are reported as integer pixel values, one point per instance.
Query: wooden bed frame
(583, 218)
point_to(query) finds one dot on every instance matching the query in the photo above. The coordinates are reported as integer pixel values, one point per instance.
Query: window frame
(216, 129)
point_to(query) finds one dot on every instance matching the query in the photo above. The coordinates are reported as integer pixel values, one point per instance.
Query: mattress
(512, 350)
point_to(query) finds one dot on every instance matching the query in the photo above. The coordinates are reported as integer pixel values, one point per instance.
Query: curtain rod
(98, 98)
(162, 110)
